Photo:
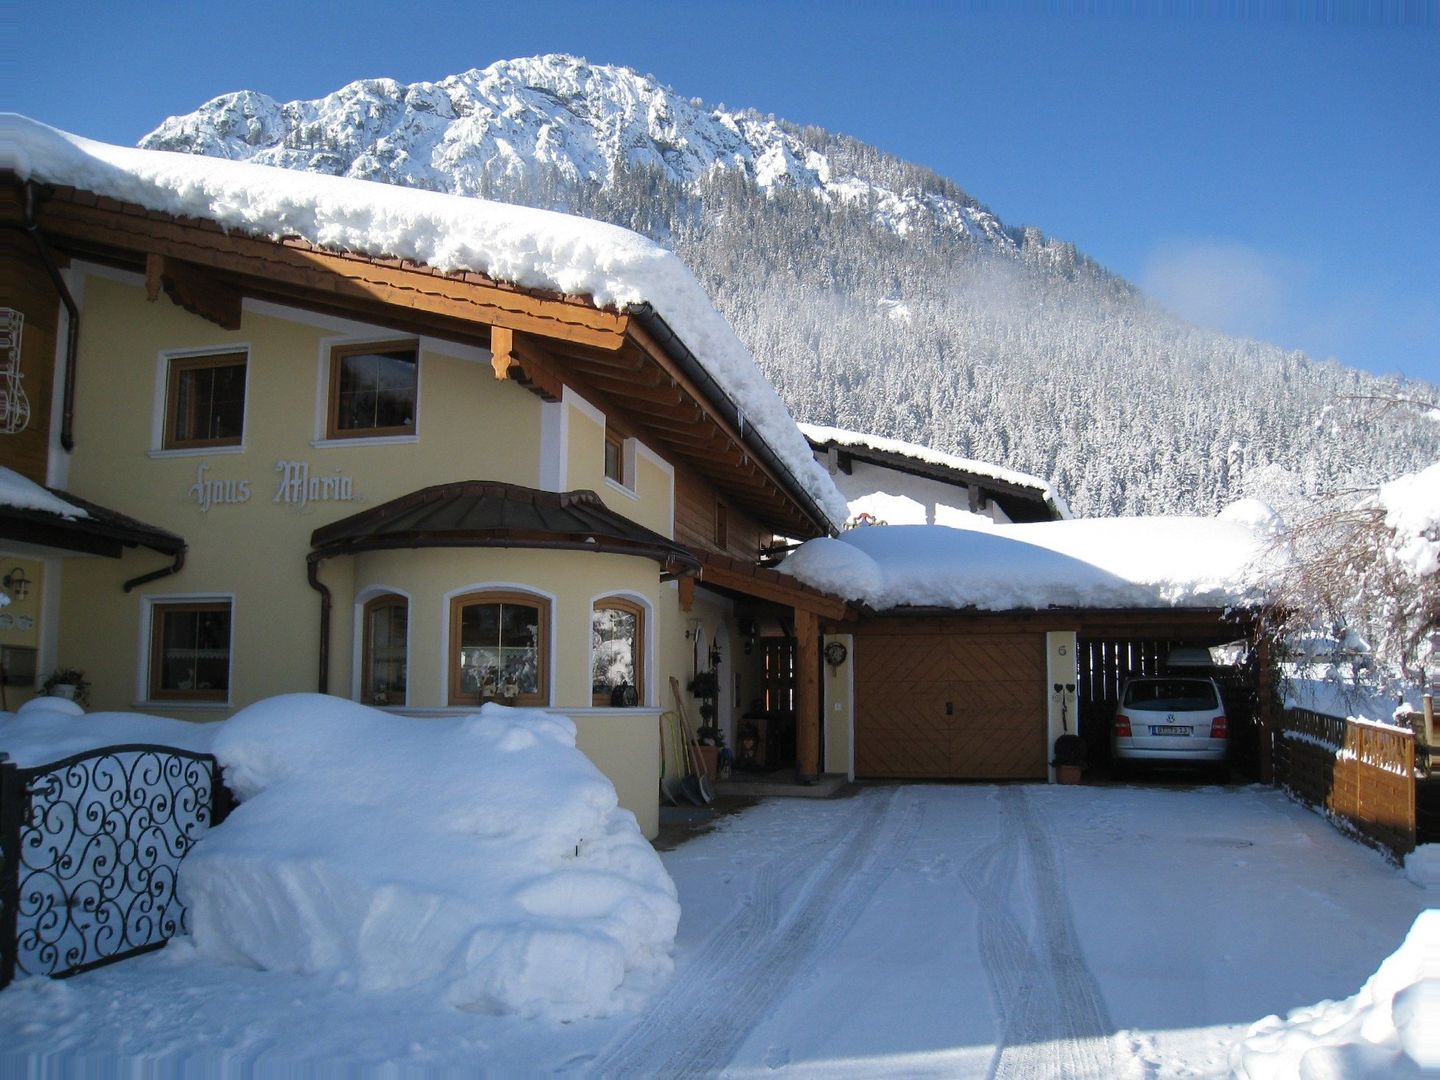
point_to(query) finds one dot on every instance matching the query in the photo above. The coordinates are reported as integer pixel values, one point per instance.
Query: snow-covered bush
(1370, 565)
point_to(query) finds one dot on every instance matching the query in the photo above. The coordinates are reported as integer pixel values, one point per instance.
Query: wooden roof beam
(302, 266)
(193, 289)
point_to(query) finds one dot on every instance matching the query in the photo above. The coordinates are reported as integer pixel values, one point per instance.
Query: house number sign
(295, 486)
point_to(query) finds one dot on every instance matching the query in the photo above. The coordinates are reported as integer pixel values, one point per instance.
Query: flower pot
(63, 690)
(709, 760)
(1068, 774)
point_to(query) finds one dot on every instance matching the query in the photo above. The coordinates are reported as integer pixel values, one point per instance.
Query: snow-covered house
(901, 483)
(288, 432)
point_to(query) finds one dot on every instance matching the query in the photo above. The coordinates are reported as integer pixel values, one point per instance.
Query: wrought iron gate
(90, 849)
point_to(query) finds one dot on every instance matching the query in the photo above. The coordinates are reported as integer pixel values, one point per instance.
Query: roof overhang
(631, 361)
(100, 531)
(762, 583)
(482, 513)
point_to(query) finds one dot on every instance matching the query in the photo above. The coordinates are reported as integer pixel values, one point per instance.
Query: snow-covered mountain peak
(503, 128)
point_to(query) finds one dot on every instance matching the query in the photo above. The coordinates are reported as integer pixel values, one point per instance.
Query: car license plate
(1172, 729)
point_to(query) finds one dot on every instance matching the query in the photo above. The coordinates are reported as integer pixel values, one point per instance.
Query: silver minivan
(1172, 719)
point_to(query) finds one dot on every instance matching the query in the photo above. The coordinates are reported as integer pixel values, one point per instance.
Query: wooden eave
(766, 584)
(554, 340)
(294, 271)
(1223, 623)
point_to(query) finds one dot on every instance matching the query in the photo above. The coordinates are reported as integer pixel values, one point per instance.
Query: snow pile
(817, 433)
(1109, 562)
(1255, 514)
(46, 729)
(535, 249)
(1389, 1030)
(24, 494)
(482, 858)
(1422, 866)
(1412, 508)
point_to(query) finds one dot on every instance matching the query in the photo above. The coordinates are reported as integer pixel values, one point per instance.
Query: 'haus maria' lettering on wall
(295, 487)
(207, 492)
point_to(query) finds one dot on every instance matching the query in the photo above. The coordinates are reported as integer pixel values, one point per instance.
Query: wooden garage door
(950, 705)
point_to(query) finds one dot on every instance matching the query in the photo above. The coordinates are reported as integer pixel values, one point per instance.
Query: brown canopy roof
(104, 532)
(487, 513)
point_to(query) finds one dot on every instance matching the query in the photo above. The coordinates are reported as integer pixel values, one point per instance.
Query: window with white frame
(190, 650)
(384, 663)
(617, 649)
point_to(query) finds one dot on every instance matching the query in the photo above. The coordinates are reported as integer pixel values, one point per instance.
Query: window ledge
(629, 493)
(181, 703)
(364, 440)
(196, 451)
(553, 710)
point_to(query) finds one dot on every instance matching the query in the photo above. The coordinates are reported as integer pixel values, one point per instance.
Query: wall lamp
(692, 629)
(17, 583)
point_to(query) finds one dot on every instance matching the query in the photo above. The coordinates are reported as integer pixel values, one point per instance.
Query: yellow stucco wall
(837, 690)
(20, 621)
(249, 545)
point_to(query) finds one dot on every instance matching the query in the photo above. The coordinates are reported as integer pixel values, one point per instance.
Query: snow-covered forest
(876, 295)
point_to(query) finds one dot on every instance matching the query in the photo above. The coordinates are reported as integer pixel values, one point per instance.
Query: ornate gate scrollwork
(92, 846)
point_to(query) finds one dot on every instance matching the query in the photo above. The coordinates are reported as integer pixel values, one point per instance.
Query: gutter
(716, 397)
(312, 572)
(72, 326)
(155, 575)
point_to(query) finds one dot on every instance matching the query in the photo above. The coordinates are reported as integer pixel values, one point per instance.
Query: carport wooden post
(807, 694)
(1266, 711)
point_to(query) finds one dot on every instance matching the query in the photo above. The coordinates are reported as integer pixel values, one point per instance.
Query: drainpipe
(312, 569)
(72, 327)
(155, 575)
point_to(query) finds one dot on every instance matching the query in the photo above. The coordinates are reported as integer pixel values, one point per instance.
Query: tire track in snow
(1053, 1018)
(750, 962)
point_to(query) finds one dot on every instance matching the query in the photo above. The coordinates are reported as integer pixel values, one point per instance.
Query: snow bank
(841, 437)
(535, 249)
(25, 494)
(47, 729)
(1422, 866)
(483, 858)
(1387, 1031)
(1109, 562)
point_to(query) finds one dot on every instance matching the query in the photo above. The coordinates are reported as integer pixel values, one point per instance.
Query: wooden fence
(1360, 773)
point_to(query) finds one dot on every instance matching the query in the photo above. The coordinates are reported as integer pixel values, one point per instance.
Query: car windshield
(1170, 695)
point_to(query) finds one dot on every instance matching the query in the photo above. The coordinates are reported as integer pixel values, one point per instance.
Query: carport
(973, 695)
(1114, 646)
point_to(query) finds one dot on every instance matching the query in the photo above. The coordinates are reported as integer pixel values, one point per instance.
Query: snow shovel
(697, 786)
(669, 747)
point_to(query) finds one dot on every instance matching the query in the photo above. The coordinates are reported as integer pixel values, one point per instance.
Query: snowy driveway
(1021, 931)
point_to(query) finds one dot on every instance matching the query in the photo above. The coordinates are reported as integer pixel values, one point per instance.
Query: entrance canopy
(486, 513)
(47, 523)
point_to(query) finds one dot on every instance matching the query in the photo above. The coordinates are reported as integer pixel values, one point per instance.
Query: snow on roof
(535, 249)
(23, 494)
(840, 437)
(1089, 563)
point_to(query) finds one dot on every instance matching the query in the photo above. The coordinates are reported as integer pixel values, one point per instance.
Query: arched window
(617, 648)
(498, 648)
(383, 667)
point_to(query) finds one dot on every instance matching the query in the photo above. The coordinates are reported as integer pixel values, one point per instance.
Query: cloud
(1225, 286)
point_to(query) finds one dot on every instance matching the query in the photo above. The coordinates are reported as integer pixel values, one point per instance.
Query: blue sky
(1270, 167)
